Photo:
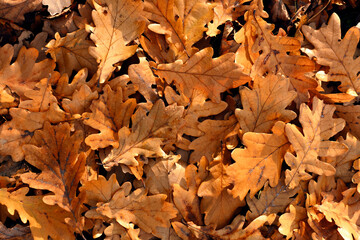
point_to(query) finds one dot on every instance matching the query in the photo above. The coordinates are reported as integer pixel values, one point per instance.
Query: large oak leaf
(211, 76)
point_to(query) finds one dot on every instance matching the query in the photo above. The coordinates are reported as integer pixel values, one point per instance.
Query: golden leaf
(202, 72)
(265, 104)
(338, 54)
(117, 23)
(44, 220)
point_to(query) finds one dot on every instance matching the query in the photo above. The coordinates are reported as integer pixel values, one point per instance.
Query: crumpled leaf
(136, 207)
(265, 104)
(182, 22)
(318, 126)
(291, 220)
(44, 220)
(116, 229)
(117, 23)
(71, 52)
(108, 114)
(337, 54)
(211, 76)
(16, 232)
(56, 154)
(146, 135)
(259, 162)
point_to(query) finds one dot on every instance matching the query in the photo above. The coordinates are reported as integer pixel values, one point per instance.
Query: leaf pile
(178, 119)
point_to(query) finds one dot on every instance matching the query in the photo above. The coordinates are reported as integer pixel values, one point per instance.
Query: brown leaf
(71, 52)
(108, 114)
(44, 220)
(55, 7)
(117, 23)
(181, 22)
(259, 162)
(202, 72)
(55, 153)
(265, 104)
(318, 126)
(15, 233)
(148, 212)
(146, 136)
(338, 54)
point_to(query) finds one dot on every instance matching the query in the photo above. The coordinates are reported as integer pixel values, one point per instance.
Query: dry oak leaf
(148, 132)
(290, 221)
(275, 58)
(80, 101)
(56, 153)
(108, 114)
(186, 199)
(351, 114)
(71, 53)
(259, 162)
(318, 126)
(56, 7)
(224, 11)
(235, 230)
(142, 77)
(265, 104)
(44, 220)
(100, 190)
(17, 132)
(16, 10)
(117, 23)
(337, 54)
(217, 202)
(271, 200)
(214, 132)
(66, 87)
(25, 72)
(182, 22)
(163, 173)
(211, 76)
(147, 212)
(344, 216)
(196, 107)
(116, 231)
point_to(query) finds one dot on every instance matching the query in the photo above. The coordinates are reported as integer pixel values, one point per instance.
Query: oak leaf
(318, 126)
(116, 229)
(290, 221)
(108, 114)
(148, 212)
(214, 132)
(117, 23)
(217, 202)
(146, 135)
(182, 22)
(56, 153)
(44, 220)
(265, 104)
(80, 100)
(271, 200)
(337, 54)
(163, 173)
(16, 232)
(186, 199)
(275, 58)
(351, 114)
(259, 162)
(71, 52)
(202, 72)
(25, 72)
